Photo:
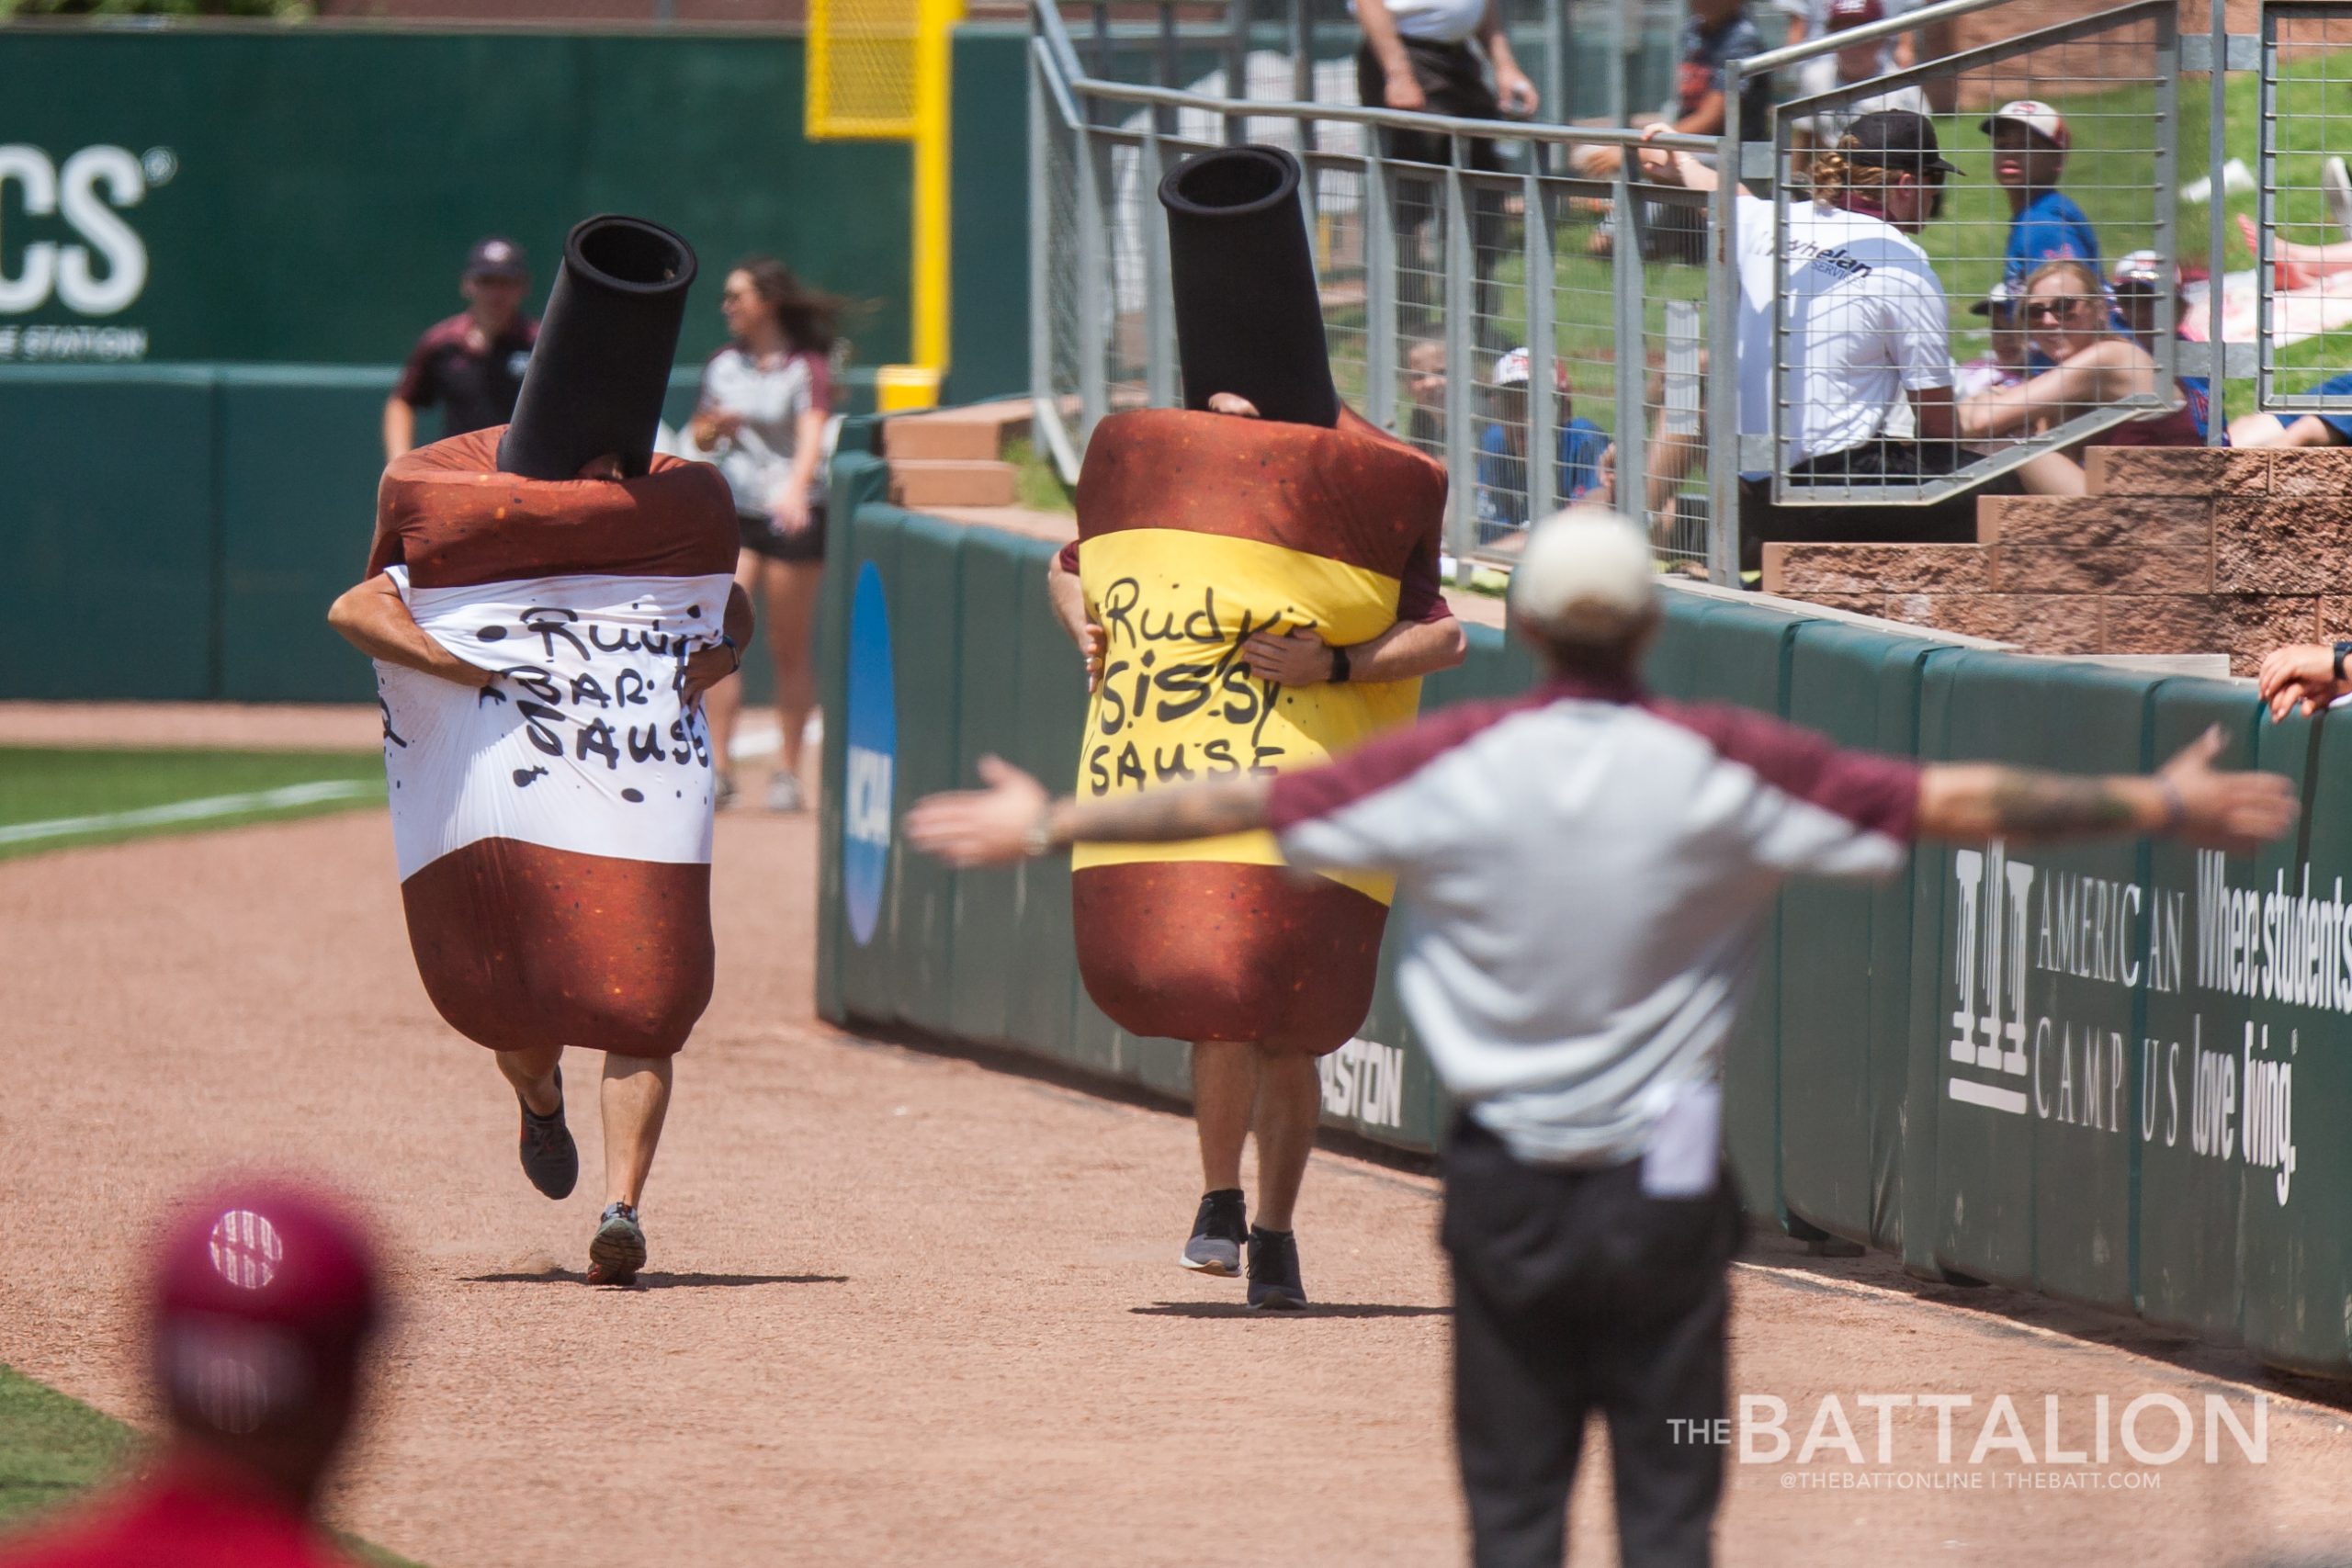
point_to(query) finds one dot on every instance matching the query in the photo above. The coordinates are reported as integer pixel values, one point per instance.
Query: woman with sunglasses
(2069, 320)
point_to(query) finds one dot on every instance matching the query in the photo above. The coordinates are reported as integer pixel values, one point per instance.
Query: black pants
(1574, 1292)
(1453, 78)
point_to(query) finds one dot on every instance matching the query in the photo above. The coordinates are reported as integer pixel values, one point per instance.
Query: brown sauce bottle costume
(1197, 531)
(554, 829)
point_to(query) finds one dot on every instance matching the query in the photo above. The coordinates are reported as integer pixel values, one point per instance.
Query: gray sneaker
(785, 794)
(1217, 1234)
(617, 1250)
(1274, 1284)
(549, 1156)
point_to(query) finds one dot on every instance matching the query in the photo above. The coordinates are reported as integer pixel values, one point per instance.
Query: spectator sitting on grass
(1718, 31)
(2092, 366)
(1502, 448)
(2029, 143)
(2299, 430)
(1425, 383)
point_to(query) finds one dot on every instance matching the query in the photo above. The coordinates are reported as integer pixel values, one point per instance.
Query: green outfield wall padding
(2104, 1073)
(225, 254)
(113, 575)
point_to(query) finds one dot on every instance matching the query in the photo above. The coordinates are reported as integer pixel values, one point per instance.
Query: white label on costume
(582, 743)
(1686, 1144)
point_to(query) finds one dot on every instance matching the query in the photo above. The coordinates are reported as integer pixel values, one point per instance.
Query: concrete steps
(953, 457)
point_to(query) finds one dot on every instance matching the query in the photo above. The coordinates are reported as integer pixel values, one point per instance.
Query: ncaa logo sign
(873, 734)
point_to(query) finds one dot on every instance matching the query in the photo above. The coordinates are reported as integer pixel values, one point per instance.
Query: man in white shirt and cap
(1588, 1214)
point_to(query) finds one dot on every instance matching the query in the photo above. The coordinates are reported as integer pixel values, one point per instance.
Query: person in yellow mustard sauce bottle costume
(1255, 586)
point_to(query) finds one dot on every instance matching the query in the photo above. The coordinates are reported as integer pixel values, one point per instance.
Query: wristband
(2176, 808)
(734, 650)
(2342, 648)
(1340, 666)
(1040, 836)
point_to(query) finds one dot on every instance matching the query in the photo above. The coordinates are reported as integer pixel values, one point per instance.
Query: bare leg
(2054, 473)
(532, 1072)
(636, 1098)
(1225, 1087)
(723, 701)
(791, 588)
(1290, 1101)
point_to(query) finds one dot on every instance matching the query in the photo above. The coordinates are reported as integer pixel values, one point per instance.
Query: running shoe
(617, 1250)
(784, 792)
(1274, 1284)
(1218, 1231)
(722, 792)
(549, 1156)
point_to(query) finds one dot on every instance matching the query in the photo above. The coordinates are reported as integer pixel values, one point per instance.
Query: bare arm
(790, 507)
(2104, 374)
(374, 620)
(1014, 818)
(400, 428)
(1406, 649)
(1512, 89)
(2186, 799)
(706, 667)
(1931, 410)
(1704, 119)
(1068, 596)
(1387, 46)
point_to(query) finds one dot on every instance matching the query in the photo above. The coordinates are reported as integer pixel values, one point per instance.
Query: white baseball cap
(2036, 116)
(1511, 369)
(2142, 269)
(1586, 576)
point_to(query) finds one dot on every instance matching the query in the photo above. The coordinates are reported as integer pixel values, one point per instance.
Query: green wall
(2020, 1066)
(323, 184)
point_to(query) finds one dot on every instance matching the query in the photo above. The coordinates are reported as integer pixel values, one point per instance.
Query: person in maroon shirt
(265, 1302)
(472, 363)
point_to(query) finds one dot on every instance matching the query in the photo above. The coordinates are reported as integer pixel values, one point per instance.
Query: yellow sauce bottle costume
(1198, 531)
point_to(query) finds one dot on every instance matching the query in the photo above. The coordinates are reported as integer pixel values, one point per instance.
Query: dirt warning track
(902, 1309)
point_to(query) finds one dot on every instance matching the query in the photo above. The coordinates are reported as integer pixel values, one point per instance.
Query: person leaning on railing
(1868, 384)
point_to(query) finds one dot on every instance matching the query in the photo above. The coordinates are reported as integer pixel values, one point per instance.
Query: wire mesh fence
(1965, 300)
(2302, 237)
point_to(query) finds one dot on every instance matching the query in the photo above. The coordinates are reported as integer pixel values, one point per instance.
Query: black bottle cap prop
(602, 365)
(1249, 317)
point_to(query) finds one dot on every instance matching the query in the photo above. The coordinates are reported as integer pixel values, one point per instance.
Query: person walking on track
(766, 400)
(471, 365)
(1587, 1213)
(263, 1304)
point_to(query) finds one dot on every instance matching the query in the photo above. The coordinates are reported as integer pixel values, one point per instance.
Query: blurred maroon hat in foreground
(265, 1293)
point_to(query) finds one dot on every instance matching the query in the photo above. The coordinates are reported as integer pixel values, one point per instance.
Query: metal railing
(1434, 268)
(1451, 292)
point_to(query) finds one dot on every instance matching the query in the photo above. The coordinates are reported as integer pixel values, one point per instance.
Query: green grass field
(56, 798)
(53, 1447)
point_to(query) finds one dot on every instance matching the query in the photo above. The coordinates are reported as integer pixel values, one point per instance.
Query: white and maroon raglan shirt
(554, 829)
(1584, 875)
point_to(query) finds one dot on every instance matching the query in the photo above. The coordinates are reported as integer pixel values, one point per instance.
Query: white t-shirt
(1435, 21)
(770, 398)
(1865, 324)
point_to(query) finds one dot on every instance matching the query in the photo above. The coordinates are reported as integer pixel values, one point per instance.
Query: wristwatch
(2342, 647)
(1340, 664)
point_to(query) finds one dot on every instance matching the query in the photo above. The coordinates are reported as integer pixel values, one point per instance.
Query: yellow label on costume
(1178, 700)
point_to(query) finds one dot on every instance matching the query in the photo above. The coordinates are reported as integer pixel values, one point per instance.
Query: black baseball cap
(496, 257)
(1894, 139)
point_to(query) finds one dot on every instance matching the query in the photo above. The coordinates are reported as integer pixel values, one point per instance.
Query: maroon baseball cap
(496, 257)
(265, 1293)
(1844, 14)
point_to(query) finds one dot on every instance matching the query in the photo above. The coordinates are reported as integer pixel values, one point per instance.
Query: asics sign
(63, 236)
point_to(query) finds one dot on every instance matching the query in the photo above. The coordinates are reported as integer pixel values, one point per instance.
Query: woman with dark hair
(765, 399)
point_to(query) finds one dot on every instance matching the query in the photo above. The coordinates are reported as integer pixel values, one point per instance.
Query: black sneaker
(549, 1156)
(1217, 1233)
(1274, 1284)
(617, 1250)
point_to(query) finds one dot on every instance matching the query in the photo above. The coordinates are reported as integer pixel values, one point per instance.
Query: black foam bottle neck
(1248, 316)
(600, 368)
